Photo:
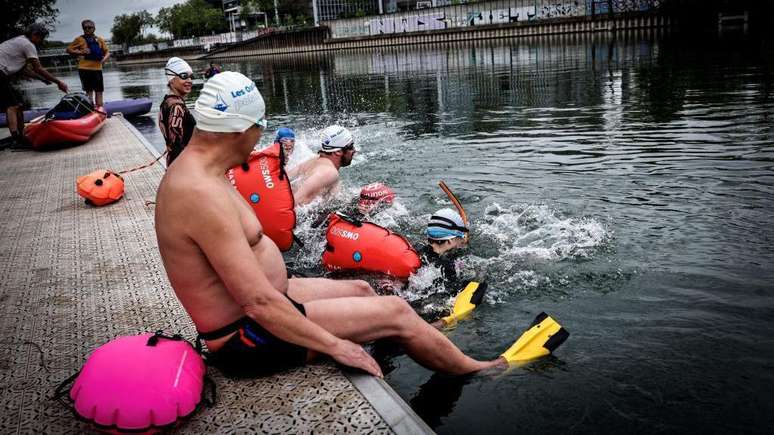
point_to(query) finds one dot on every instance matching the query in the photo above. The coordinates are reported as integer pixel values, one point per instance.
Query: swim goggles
(183, 76)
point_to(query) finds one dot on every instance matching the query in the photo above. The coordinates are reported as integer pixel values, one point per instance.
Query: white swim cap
(335, 138)
(176, 66)
(229, 103)
(446, 224)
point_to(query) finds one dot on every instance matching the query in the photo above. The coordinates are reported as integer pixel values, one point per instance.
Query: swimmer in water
(287, 138)
(232, 281)
(320, 176)
(446, 231)
(374, 197)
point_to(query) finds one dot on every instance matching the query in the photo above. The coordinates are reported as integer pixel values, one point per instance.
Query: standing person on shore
(175, 120)
(93, 53)
(16, 54)
(212, 70)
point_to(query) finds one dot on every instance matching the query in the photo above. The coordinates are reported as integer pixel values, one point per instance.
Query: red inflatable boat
(73, 121)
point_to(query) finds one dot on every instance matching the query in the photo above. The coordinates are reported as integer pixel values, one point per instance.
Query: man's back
(14, 54)
(318, 177)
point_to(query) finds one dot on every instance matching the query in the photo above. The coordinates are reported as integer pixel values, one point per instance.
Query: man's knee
(402, 314)
(363, 288)
(398, 307)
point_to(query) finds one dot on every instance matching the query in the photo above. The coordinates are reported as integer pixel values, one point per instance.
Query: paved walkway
(74, 277)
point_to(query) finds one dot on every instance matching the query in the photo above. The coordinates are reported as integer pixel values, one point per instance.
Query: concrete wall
(480, 14)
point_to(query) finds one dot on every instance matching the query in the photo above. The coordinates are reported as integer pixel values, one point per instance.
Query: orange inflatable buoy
(100, 187)
(263, 183)
(354, 245)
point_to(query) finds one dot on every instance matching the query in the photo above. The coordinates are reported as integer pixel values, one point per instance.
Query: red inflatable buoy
(100, 187)
(365, 246)
(263, 183)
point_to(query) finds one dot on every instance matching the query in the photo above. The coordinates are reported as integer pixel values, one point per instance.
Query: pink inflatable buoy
(139, 382)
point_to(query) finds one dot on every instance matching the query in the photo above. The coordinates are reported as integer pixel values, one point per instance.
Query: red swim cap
(373, 195)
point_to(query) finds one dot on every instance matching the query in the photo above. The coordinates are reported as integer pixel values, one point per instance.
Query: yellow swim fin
(542, 337)
(466, 302)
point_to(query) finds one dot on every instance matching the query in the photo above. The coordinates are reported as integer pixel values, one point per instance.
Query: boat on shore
(128, 108)
(71, 122)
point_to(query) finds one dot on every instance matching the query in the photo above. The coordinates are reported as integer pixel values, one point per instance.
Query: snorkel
(458, 206)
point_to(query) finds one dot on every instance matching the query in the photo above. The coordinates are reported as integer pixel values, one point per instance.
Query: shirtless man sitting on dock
(232, 281)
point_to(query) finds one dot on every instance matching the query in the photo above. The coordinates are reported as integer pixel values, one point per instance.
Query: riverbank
(321, 39)
(76, 276)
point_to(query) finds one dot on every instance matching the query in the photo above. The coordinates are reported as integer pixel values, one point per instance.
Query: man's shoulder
(183, 182)
(325, 166)
(23, 43)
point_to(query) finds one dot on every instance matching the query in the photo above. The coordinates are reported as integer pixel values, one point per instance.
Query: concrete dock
(76, 276)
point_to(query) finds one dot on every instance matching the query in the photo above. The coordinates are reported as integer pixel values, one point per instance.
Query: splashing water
(538, 232)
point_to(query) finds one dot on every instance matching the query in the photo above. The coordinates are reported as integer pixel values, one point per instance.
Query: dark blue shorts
(254, 351)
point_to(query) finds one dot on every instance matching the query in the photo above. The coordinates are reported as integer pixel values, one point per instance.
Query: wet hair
(36, 29)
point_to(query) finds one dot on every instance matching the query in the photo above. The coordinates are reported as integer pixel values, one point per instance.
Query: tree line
(195, 18)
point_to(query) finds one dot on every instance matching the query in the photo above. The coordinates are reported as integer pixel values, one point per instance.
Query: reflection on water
(623, 184)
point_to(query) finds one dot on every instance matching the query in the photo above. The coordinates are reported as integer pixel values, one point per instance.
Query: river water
(624, 185)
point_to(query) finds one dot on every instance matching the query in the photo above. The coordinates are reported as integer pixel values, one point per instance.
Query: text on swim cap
(375, 194)
(240, 92)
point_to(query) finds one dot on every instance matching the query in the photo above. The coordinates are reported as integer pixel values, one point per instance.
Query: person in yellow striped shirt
(93, 53)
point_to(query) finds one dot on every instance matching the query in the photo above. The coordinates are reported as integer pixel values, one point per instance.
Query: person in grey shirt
(16, 55)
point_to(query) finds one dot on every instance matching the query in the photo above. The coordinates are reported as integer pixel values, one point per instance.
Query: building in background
(244, 15)
(325, 10)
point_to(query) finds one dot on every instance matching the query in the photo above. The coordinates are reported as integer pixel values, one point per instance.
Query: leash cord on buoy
(143, 166)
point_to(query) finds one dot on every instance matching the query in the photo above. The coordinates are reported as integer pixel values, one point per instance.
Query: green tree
(250, 8)
(17, 15)
(128, 28)
(192, 18)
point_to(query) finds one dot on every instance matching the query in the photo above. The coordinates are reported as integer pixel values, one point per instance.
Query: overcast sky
(72, 12)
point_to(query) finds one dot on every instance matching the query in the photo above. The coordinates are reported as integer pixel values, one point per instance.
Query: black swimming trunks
(253, 351)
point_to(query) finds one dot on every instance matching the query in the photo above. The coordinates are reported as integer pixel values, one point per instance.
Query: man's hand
(353, 355)
(62, 86)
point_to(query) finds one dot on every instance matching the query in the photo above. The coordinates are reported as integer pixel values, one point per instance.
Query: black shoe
(21, 142)
(7, 142)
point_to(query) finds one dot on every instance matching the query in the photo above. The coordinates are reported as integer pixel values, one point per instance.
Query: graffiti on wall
(481, 14)
(567, 9)
(390, 25)
(499, 16)
(603, 6)
(635, 5)
(415, 23)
